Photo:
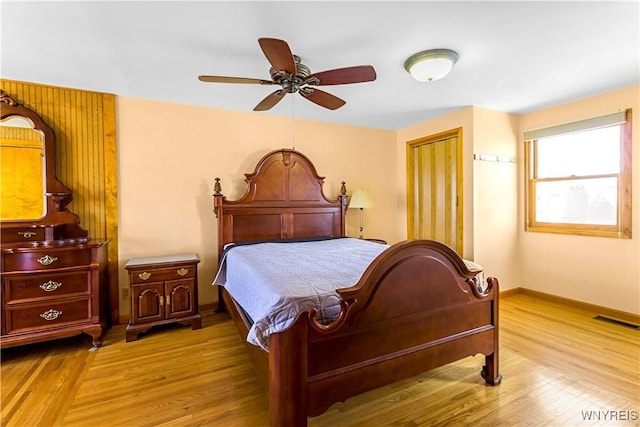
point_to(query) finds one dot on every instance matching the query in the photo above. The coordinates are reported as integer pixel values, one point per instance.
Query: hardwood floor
(560, 368)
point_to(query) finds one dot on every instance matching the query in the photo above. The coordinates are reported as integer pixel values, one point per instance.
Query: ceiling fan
(292, 76)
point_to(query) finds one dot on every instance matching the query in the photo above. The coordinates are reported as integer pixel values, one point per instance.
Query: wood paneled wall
(85, 129)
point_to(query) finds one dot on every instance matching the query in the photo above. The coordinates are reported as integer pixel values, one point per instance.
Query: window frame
(622, 228)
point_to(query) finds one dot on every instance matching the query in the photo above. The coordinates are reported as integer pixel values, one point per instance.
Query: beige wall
(169, 155)
(495, 196)
(597, 270)
(489, 188)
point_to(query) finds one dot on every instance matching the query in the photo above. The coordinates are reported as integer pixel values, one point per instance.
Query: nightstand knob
(144, 275)
(182, 271)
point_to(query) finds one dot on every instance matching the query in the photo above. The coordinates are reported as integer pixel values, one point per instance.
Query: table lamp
(360, 199)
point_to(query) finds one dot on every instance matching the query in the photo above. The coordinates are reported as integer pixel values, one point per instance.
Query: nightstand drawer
(46, 259)
(46, 285)
(45, 315)
(154, 274)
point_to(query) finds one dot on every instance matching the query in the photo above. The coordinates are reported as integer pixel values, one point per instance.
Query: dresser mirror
(22, 177)
(33, 203)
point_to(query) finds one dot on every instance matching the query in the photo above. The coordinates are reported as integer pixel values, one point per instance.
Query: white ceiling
(514, 56)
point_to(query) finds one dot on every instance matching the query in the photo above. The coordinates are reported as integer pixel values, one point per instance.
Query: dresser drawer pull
(26, 234)
(182, 272)
(47, 260)
(51, 314)
(161, 300)
(50, 286)
(144, 275)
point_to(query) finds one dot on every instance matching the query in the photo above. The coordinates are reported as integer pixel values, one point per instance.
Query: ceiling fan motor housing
(289, 82)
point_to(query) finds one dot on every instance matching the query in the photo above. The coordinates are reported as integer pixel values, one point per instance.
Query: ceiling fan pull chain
(293, 123)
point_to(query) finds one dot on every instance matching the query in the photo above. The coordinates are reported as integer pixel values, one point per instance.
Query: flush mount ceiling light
(430, 65)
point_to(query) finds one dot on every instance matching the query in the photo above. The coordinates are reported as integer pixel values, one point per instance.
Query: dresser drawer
(46, 259)
(46, 285)
(27, 234)
(44, 315)
(156, 274)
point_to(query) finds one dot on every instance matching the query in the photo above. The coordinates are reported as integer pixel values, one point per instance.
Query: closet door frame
(413, 211)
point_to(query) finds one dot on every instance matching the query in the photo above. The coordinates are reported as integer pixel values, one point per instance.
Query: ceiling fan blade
(341, 76)
(224, 79)
(271, 100)
(279, 55)
(322, 98)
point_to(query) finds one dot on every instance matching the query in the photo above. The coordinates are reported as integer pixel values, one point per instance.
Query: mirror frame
(57, 195)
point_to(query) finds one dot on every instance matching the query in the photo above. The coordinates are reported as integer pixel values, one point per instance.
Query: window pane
(591, 152)
(580, 201)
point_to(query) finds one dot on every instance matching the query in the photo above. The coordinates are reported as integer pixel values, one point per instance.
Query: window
(579, 177)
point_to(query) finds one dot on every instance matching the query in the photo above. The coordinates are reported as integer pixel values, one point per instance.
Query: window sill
(580, 231)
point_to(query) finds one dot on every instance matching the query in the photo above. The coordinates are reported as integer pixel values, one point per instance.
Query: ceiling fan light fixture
(430, 65)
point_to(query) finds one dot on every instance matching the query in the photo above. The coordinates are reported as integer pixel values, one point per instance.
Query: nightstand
(383, 242)
(164, 289)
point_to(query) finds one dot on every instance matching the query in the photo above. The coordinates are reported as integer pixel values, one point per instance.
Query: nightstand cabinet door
(147, 302)
(180, 298)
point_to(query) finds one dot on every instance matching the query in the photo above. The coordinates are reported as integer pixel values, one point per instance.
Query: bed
(416, 306)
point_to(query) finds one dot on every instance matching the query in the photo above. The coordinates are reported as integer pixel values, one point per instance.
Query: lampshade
(430, 65)
(360, 199)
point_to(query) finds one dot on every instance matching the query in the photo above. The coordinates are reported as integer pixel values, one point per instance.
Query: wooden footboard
(416, 307)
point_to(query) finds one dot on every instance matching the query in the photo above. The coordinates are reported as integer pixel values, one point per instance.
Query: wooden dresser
(54, 292)
(53, 277)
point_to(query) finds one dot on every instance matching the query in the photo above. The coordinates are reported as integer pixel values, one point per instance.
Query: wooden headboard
(284, 200)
